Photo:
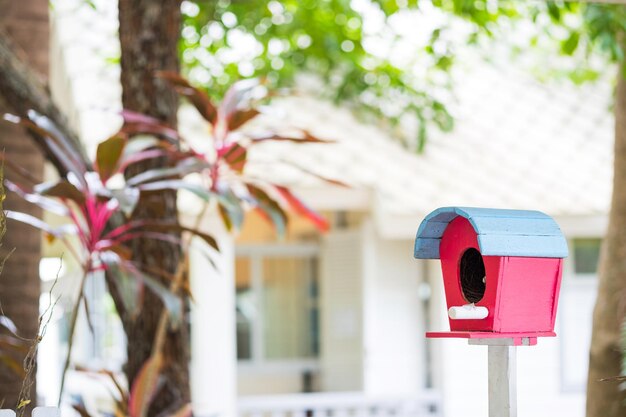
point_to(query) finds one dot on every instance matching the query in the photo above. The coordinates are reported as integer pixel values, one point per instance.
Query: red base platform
(518, 338)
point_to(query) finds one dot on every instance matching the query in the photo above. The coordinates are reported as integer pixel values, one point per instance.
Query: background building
(336, 321)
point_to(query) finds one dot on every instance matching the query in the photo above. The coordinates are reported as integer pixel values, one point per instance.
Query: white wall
(213, 344)
(341, 309)
(371, 315)
(393, 320)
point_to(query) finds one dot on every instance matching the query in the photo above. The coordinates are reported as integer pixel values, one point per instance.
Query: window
(586, 255)
(277, 303)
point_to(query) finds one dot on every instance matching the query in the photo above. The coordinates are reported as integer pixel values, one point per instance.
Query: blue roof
(500, 232)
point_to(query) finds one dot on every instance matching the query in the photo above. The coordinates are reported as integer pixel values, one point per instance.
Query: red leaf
(143, 227)
(59, 147)
(308, 171)
(235, 97)
(81, 410)
(67, 146)
(197, 97)
(228, 223)
(108, 156)
(304, 137)
(124, 252)
(184, 167)
(24, 173)
(241, 117)
(133, 129)
(61, 189)
(60, 231)
(142, 156)
(302, 209)
(138, 123)
(130, 116)
(236, 156)
(13, 364)
(45, 203)
(269, 209)
(145, 386)
(184, 411)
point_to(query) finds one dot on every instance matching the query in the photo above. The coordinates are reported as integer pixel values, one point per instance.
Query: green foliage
(484, 14)
(224, 41)
(590, 34)
(605, 26)
(586, 32)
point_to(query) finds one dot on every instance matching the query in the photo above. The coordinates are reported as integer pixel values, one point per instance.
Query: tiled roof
(517, 143)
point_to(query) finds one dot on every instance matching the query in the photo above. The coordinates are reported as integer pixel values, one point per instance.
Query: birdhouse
(501, 270)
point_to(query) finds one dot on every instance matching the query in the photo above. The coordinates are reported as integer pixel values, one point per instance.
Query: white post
(502, 381)
(213, 337)
(46, 412)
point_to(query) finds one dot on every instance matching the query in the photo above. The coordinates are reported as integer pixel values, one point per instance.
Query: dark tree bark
(605, 398)
(26, 22)
(149, 33)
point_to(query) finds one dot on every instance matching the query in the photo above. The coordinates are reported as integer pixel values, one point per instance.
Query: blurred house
(337, 321)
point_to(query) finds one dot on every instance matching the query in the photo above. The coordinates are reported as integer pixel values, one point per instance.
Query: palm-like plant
(224, 180)
(95, 214)
(96, 210)
(10, 344)
(223, 166)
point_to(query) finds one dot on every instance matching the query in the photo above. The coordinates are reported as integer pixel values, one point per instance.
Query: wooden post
(502, 381)
(502, 365)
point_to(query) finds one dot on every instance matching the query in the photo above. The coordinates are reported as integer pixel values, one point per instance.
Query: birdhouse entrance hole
(472, 275)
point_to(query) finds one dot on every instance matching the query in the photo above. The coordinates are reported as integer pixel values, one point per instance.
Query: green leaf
(571, 43)
(554, 11)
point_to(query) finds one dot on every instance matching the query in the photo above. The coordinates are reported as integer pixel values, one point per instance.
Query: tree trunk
(26, 22)
(149, 33)
(604, 398)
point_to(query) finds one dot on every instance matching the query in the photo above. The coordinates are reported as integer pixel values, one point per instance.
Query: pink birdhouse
(501, 270)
